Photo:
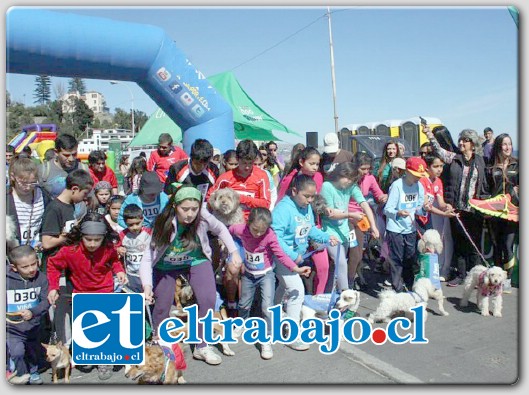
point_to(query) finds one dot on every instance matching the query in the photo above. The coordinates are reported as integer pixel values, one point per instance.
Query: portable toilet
(394, 127)
(409, 131)
(382, 129)
(363, 130)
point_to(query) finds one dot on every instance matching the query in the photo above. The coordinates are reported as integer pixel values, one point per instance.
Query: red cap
(416, 166)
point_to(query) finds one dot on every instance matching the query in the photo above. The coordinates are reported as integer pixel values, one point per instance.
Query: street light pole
(333, 77)
(131, 103)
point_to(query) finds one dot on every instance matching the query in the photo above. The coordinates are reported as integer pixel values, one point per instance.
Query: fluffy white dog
(225, 205)
(392, 302)
(313, 307)
(489, 284)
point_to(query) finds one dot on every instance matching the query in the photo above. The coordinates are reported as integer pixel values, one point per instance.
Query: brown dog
(156, 369)
(184, 297)
(59, 357)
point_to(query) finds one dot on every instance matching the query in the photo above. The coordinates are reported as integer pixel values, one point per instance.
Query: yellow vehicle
(410, 130)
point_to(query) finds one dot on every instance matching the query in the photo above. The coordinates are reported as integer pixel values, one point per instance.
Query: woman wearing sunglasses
(465, 180)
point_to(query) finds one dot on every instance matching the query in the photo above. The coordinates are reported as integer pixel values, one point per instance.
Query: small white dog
(489, 284)
(226, 206)
(316, 305)
(11, 234)
(392, 302)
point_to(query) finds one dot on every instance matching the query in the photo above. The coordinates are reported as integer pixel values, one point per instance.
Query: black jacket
(495, 180)
(455, 178)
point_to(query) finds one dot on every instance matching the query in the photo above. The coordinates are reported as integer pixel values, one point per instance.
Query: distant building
(101, 138)
(94, 100)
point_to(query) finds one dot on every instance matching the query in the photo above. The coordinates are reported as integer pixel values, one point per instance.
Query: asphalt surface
(463, 348)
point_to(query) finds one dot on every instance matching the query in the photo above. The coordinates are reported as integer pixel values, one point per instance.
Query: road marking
(375, 364)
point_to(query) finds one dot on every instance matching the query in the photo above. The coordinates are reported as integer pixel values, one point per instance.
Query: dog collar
(416, 297)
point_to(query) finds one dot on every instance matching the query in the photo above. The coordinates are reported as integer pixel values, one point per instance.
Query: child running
(338, 191)
(27, 292)
(260, 245)
(293, 222)
(90, 261)
(134, 241)
(180, 245)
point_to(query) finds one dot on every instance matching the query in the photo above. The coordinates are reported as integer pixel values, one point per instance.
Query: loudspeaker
(312, 139)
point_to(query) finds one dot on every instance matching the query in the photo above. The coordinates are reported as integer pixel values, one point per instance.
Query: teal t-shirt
(176, 257)
(339, 199)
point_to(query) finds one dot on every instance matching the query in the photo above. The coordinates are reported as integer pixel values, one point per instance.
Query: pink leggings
(321, 263)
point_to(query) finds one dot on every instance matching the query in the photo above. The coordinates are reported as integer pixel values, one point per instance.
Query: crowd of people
(76, 233)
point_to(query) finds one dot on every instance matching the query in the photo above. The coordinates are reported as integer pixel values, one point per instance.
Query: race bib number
(29, 234)
(254, 261)
(178, 260)
(302, 234)
(408, 201)
(353, 242)
(22, 299)
(133, 262)
(151, 212)
(68, 226)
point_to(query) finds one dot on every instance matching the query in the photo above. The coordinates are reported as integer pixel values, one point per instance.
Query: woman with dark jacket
(503, 178)
(465, 180)
(26, 201)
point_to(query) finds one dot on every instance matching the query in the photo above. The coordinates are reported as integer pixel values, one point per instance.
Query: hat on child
(416, 166)
(103, 185)
(398, 163)
(150, 183)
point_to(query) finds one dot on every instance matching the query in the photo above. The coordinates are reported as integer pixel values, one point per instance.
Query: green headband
(184, 193)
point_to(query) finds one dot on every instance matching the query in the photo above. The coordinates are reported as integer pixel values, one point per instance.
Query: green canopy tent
(250, 121)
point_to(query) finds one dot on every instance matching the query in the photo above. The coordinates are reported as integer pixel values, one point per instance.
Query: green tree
(122, 119)
(82, 116)
(42, 90)
(17, 116)
(76, 85)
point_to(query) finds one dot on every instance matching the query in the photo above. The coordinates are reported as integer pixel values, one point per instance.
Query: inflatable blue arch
(69, 45)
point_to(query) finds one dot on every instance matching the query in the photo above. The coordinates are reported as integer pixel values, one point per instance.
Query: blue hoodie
(148, 219)
(294, 227)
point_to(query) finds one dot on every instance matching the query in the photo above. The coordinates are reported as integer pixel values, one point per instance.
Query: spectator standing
(167, 154)
(487, 145)
(333, 154)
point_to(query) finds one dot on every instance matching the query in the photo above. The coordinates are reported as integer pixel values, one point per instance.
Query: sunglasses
(466, 140)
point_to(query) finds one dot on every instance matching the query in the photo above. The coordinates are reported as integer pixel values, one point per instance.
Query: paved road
(463, 348)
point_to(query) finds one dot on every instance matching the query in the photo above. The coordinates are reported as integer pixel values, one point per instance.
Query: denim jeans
(249, 285)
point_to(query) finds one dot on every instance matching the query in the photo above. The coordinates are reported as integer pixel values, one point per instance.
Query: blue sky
(458, 64)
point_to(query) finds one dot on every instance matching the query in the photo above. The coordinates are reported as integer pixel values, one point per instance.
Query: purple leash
(472, 241)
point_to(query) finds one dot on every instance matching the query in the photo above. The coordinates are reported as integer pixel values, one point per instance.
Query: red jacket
(161, 164)
(254, 191)
(107, 175)
(88, 272)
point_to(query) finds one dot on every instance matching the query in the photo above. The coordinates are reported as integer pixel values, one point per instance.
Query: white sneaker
(298, 345)
(266, 351)
(507, 287)
(208, 355)
(442, 279)
(19, 379)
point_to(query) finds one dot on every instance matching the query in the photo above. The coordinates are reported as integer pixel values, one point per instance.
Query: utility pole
(333, 77)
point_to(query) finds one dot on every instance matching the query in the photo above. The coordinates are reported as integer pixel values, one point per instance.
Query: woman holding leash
(465, 180)
(179, 245)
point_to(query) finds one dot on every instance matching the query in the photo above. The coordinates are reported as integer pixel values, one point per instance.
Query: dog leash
(472, 242)
(321, 247)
